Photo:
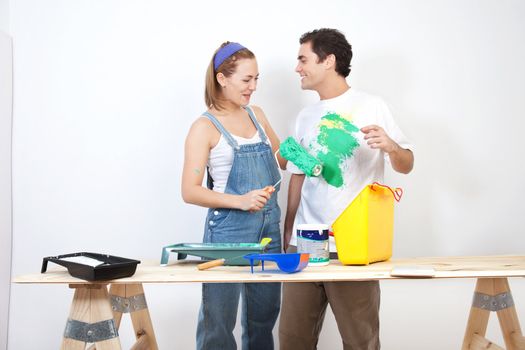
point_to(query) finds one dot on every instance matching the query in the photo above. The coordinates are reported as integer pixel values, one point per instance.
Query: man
(352, 134)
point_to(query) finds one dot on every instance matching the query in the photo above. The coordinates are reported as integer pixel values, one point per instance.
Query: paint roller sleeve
(295, 153)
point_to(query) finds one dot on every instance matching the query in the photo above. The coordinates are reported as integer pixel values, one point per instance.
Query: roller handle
(210, 264)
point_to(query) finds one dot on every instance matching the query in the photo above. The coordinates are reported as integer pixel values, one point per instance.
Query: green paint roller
(295, 153)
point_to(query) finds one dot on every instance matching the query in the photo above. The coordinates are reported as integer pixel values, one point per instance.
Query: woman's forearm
(205, 197)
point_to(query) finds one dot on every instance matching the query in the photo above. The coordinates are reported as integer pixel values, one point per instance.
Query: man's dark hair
(326, 41)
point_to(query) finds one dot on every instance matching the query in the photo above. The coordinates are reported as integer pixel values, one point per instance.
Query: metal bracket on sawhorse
(90, 332)
(90, 320)
(127, 305)
(493, 294)
(129, 298)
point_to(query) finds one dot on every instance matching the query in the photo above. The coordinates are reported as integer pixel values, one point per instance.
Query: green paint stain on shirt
(337, 144)
(331, 171)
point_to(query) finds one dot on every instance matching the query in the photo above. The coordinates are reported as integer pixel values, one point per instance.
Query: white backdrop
(105, 92)
(6, 104)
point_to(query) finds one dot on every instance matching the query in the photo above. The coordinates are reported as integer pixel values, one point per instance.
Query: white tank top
(221, 159)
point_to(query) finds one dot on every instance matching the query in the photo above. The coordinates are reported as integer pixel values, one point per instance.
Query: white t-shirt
(221, 159)
(330, 131)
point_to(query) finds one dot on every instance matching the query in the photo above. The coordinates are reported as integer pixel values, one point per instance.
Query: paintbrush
(271, 189)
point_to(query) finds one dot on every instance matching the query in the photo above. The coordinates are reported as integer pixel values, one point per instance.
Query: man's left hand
(377, 138)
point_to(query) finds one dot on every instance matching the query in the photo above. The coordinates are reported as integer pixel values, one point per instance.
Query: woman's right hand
(254, 200)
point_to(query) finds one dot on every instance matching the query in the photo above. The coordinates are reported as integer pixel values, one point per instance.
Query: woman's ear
(221, 79)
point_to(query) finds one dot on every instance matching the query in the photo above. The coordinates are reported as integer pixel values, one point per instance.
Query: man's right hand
(287, 235)
(294, 197)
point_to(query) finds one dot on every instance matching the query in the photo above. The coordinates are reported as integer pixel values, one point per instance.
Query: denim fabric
(253, 167)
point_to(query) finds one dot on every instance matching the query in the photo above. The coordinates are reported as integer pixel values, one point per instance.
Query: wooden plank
(141, 318)
(142, 343)
(100, 311)
(489, 268)
(478, 318)
(480, 343)
(117, 290)
(508, 318)
(80, 311)
(186, 271)
(518, 340)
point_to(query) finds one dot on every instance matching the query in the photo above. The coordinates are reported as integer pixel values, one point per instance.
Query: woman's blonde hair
(212, 91)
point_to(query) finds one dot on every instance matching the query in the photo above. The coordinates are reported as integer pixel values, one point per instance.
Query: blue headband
(225, 52)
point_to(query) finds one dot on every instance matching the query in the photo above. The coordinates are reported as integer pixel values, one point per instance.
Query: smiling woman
(235, 143)
(225, 64)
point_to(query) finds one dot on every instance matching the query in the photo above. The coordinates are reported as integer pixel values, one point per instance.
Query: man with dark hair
(353, 135)
(330, 41)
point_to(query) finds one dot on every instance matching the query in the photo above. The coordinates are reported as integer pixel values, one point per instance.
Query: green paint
(331, 171)
(295, 153)
(337, 143)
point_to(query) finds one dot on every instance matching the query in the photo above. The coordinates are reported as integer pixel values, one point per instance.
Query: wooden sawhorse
(95, 317)
(95, 314)
(493, 294)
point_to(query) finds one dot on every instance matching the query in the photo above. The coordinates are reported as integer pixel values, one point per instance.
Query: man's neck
(332, 88)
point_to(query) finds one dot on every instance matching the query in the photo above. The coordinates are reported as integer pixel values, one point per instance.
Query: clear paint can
(313, 239)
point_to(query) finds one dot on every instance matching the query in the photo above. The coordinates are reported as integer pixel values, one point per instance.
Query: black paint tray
(93, 266)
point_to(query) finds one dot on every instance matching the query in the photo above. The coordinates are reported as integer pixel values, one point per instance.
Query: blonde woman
(235, 143)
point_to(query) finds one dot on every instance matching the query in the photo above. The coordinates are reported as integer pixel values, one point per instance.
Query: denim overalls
(253, 167)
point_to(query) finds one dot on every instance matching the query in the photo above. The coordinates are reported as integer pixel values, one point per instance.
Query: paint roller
(292, 151)
(295, 153)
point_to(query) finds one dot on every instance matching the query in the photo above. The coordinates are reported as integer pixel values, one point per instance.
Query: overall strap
(260, 130)
(229, 138)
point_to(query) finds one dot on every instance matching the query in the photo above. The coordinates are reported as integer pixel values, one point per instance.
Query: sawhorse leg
(493, 294)
(90, 320)
(130, 298)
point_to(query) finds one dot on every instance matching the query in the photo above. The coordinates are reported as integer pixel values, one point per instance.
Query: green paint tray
(232, 252)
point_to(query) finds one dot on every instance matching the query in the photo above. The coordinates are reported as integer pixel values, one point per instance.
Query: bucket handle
(398, 192)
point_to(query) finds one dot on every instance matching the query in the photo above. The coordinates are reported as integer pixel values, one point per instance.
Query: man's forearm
(402, 160)
(294, 198)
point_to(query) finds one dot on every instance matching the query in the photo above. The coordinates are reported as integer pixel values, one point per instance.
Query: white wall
(4, 15)
(106, 91)
(6, 104)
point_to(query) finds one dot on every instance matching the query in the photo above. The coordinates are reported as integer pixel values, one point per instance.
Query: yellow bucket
(364, 231)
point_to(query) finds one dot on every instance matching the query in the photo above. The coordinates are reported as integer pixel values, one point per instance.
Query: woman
(236, 143)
